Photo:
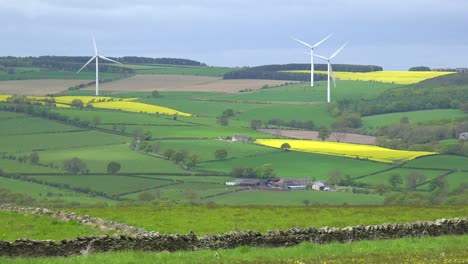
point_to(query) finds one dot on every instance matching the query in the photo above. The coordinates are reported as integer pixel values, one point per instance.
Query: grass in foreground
(219, 219)
(15, 226)
(446, 249)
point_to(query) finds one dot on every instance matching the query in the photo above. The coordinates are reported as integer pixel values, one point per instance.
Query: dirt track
(313, 135)
(189, 83)
(37, 87)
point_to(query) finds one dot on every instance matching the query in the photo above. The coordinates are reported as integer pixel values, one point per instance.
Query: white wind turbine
(312, 47)
(97, 56)
(330, 70)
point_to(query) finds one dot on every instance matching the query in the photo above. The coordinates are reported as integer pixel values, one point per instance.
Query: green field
(40, 142)
(60, 75)
(298, 165)
(285, 198)
(384, 177)
(112, 185)
(371, 123)
(176, 69)
(8, 115)
(41, 191)
(221, 219)
(15, 226)
(456, 179)
(32, 125)
(447, 162)
(98, 157)
(305, 93)
(13, 166)
(445, 249)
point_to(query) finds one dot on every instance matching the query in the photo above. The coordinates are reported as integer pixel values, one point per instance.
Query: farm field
(305, 93)
(371, 123)
(67, 140)
(448, 249)
(384, 177)
(32, 125)
(176, 69)
(456, 179)
(163, 82)
(447, 162)
(298, 198)
(220, 219)
(41, 191)
(13, 166)
(313, 135)
(98, 157)
(345, 149)
(398, 77)
(49, 75)
(301, 165)
(37, 87)
(16, 226)
(101, 183)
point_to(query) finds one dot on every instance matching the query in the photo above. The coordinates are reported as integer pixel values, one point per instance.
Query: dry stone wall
(158, 242)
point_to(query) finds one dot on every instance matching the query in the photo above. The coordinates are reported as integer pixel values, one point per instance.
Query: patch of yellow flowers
(399, 77)
(124, 104)
(346, 150)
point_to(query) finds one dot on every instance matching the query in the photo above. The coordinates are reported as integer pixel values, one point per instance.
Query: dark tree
(168, 153)
(285, 146)
(34, 157)
(395, 179)
(223, 120)
(228, 113)
(324, 133)
(220, 154)
(113, 167)
(77, 103)
(256, 124)
(420, 68)
(155, 94)
(75, 166)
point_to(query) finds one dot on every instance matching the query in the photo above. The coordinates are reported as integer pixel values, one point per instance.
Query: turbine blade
(322, 57)
(95, 47)
(105, 58)
(320, 42)
(331, 75)
(302, 42)
(336, 52)
(86, 64)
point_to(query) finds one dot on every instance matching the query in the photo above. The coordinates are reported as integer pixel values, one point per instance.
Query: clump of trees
(223, 119)
(113, 167)
(419, 68)
(182, 157)
(263, 172)
(220, 154)
(75, 166)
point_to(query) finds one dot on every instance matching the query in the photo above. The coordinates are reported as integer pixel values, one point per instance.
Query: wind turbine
(330, 70)
(97, 56)
(312, 47)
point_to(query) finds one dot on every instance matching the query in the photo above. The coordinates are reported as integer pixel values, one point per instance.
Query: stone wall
(158, 242)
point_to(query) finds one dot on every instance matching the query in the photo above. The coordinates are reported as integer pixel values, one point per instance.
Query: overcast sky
(395, 34)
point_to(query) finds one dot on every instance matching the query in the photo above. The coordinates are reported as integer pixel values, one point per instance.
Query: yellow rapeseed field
(399, 77)
(138, 107)
(346, 150)
(125, 104)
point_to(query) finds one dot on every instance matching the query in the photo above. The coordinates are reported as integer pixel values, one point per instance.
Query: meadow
(446, 249)
(384, 177)
(397, 77)
(15, 226)
(446, 162)
(220, 219)
(372, 123)
(32, 125)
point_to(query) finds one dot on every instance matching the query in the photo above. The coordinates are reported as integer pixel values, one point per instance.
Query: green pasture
(193, 179)
(371, 123)
(50, 74)
(13, 166)
(299, 165)
(445, 249)
(110, 184)
(286, 198)
(32, 125)
(67, 140)
(8, 115)
(456, 179)
(41, 191)
(205, 149)
(117, 117)
(15, 226)
(384, 177)
(447, 162)
(220, 219)
(306, 93)
(98, 157)
(197, 71)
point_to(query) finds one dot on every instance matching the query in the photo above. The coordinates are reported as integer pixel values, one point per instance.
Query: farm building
(292, 184)
(463, 136)
(240, 138)
(320, 186)
(244, 182)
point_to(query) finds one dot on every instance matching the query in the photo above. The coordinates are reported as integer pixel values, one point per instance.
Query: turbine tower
(312, 47)
(330, 70)
(97, 56)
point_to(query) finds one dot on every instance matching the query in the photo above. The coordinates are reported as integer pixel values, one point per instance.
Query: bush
(113, 167)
